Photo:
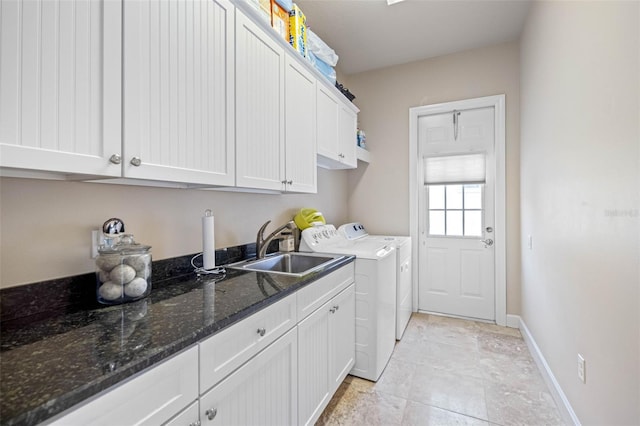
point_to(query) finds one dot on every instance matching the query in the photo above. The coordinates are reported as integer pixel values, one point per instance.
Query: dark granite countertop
(50, 365)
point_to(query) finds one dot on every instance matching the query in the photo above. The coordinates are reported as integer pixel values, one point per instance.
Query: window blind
(455, 169)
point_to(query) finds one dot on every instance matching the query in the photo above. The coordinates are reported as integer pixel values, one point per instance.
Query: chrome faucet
(263, 243)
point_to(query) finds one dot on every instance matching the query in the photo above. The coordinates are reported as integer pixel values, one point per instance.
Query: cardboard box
(280, 20)
(298, 30)
(265, 9)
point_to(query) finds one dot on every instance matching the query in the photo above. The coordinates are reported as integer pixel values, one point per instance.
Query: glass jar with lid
(123, 270)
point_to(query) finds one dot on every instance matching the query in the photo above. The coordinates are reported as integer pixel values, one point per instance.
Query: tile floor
(449, 371)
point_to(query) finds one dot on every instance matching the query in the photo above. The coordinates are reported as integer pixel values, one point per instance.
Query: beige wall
(45, 227)
(379, 192)
(579, 171)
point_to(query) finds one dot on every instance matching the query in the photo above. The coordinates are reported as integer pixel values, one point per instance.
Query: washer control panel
(353, 231)
(319, 236)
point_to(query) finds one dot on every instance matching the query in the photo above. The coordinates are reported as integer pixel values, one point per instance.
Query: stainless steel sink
(294, 264)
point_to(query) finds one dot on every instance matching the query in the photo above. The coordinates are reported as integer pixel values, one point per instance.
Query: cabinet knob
(290, 182)
(332, 310)
(115, 159)
(336, 307)
(284, 182)
(262, 331)
(136, 161)
(211, 413)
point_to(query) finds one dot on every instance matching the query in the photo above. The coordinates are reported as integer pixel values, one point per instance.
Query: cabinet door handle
(211, 413)
(136, 161)
(261, 331)
(115, 159)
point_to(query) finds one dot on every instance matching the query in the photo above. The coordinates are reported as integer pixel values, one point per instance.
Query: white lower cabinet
(151, 398)
(264, 391)
(190, 416)
(342, 336)
(326, 353)
(227, 350)
(268, 369)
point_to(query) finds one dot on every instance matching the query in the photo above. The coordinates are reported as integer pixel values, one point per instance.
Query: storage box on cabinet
(315, 295)
(229, 349)
(264, 391)
(151, 398)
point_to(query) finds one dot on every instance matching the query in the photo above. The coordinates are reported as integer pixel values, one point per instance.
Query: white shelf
(363, 155)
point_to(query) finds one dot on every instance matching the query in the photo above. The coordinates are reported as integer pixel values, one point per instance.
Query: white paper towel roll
(208, 241)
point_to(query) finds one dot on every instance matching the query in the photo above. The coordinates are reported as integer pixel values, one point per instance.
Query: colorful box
(265, 9)
(262, 8)
(298, 30)
(287, 5)
(280, 20)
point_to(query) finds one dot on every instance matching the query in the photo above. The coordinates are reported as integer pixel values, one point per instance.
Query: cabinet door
(264, 391)
(151, 398)
(300, 133)
(313, 365)
(60, 82)
(327, 124)
(342, 330)
(259, 107)
(347, 128)
(178, 91)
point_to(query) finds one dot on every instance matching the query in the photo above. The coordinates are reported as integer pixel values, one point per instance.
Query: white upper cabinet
(60, 85)
(260, 69)
(347, 128)
(179, 91)
(300, 133)
(336, 131)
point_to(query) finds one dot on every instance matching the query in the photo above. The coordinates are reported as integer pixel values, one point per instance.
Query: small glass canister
(123, 271)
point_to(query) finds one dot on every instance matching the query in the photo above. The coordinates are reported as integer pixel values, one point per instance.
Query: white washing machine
(375, 276)
(356, 232)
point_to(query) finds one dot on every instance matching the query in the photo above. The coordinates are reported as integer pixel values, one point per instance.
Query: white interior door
(456, 210)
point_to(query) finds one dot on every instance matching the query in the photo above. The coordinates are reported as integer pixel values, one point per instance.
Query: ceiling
(369, 34)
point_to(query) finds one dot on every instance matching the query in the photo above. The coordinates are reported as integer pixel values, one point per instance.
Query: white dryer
(356, 232)
(375, 267)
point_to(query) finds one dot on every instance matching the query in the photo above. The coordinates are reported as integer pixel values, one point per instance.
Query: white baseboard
(566, 411)
(513, 321)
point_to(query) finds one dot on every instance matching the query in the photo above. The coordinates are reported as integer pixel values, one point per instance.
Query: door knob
(488, 242)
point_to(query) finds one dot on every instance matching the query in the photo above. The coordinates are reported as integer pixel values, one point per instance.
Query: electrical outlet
(581, 369)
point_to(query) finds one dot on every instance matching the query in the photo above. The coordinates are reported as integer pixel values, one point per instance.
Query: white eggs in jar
(136, 287)
(122, 274)
(108, 262)
(110, 291)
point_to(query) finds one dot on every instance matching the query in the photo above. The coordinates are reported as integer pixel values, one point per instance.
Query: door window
(455, 210)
